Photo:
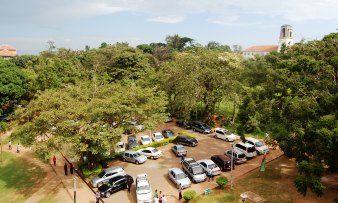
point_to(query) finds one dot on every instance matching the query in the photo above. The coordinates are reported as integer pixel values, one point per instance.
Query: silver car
(180, 179)
(135, 157)
(179, 150)
(151, 152)
(106, 175)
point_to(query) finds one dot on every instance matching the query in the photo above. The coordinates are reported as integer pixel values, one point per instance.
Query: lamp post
(74, 189)
(231, 165)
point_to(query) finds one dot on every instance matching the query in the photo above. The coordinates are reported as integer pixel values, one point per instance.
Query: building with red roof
(7, 51)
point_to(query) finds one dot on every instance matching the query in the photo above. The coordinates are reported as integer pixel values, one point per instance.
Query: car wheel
(124, 159)
(151, 157)
(136, 162)
(107, 194)
(99, 184)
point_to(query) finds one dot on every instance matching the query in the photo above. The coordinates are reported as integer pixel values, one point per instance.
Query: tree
(79, 119)
(146, 48)
(219, 46)
(176, 42)
(237, 48)
(103, 45)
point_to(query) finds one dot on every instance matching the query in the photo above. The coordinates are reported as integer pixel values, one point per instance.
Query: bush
(189, 195)
(221, 181)
(87, 172)
(187, 134)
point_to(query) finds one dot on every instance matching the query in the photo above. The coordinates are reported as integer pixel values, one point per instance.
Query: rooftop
(265, 48)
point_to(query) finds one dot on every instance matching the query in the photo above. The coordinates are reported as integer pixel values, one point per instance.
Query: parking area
(157, 170)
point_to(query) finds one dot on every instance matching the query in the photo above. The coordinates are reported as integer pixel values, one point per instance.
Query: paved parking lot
(157, 169)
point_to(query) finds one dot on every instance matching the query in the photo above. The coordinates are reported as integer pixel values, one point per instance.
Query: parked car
(106, 175)
(168, 133)
(248, 149)
(144, 192)
(179, 178)
(132, 141)
(194, 170)
(145, 139)
(222, 161)
(209, 166)
(259, 146)
(136, 125)
(179, 150)
(157, 137)
(114, 185)
(183, 124)
(120, 147)
(135, 157)
(185, 140)
(239, 157)
(225, 134)
(151, 152)
(201, 127)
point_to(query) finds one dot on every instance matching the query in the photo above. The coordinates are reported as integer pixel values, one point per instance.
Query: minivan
(259, 146)
(248, 149)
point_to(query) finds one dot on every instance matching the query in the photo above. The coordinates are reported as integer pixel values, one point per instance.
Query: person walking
(179, 193)
(97, 196)
(210, 176)
(182, 158)
(54, 160)
(18, 148)
(156, 194)
(65, 167)
(164, 199)
(160, 197)
(128, 184)
(10, 145)
(71, 168)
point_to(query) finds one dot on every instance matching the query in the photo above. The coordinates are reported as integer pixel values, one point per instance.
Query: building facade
(7, 51)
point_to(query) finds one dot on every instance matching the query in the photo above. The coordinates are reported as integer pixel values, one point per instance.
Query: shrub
(87, 172)
(189, 195)
(221, 181)
(187, 134)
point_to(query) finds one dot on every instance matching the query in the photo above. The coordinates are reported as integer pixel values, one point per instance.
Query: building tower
(286, 36)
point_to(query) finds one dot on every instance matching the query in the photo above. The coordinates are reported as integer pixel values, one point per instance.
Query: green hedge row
(87, 172)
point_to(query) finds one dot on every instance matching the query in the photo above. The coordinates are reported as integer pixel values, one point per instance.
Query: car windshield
(169, 133)
(180, 148)
(197, 170)
(143, 189)
(101, 174)
(212, 166)
(158, 136)
(259, 144)
(154, 150)
(180, 176)
(241, 155)
(136, 155)
(146, 139)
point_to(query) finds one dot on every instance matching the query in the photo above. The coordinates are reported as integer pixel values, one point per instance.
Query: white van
(248, 149)
(225, 134)
(259, 146)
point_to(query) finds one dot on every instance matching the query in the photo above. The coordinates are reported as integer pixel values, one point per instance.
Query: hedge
(87, 172)
(222, 181)
(189, 195)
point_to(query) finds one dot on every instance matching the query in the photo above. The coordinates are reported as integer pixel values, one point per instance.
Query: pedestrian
(18, 148)
(164, 200)
(179, 193)
(182, 158)
(10, 145)
(97, 195)
(128, 184)
(156, 194)
(66, 169)
(54, 160)
(160, 197)
(155, 200)
(71, 168)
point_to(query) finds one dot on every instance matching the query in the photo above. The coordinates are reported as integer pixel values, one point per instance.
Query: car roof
(179, 145)
(246, 144)
(222, 129)
(252, 139)
(113, 168)
(207, 161)
(176, 170)
(131, 152)
(158, 133)
(144, 136)
(150, 148)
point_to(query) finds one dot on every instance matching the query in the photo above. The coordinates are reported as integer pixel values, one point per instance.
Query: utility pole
(74, 189)
(231, 166)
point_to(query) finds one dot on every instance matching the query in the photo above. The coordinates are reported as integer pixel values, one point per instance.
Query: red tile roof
(7, 47)
(7, 51)
(266, 48)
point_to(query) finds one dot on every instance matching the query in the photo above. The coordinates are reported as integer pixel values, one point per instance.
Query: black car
(115, 184)
(132, 142)
(185, 140)
(184, 124)
(168, 133)
(200, 127)
(223, 162)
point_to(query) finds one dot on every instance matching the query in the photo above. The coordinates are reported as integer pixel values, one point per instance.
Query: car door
(108, 176)
(146, 152)
(204, 166)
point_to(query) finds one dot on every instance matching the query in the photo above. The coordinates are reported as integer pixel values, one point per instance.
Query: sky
(29, 24)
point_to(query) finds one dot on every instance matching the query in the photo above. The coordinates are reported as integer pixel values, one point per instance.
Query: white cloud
(167, 19)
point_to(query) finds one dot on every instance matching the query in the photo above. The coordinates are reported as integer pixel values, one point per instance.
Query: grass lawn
(18, 178)
(275, 185)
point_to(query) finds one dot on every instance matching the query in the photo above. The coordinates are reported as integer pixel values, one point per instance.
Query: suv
(135, 157)
(143, 190)
(248, 149)
(225, 134)
(194, 170)
(114, 185)
(106, 175)
(259, 146)
(222, 161)
(185, 140)
(132, 142)
(239, 157)
(201, 127)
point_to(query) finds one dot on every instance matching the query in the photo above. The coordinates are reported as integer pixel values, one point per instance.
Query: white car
(145, 139)
(179, 178)
(144, 192)
(259, 146)
(209, 165)
(225, 134)
(151, 152)
(120, 147)
(157, 137)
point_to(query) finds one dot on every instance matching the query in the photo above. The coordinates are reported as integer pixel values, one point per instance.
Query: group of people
(159, 197)
(18, 147)
(65, 167)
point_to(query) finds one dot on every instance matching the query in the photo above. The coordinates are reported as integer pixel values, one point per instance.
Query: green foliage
(89, 172)
(189, 195)
(222, 181)
(187, 134)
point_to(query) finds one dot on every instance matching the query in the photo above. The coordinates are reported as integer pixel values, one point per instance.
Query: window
(290, 34)
(283, 32)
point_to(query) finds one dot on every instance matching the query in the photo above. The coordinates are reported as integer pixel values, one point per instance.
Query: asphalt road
(157, 170)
